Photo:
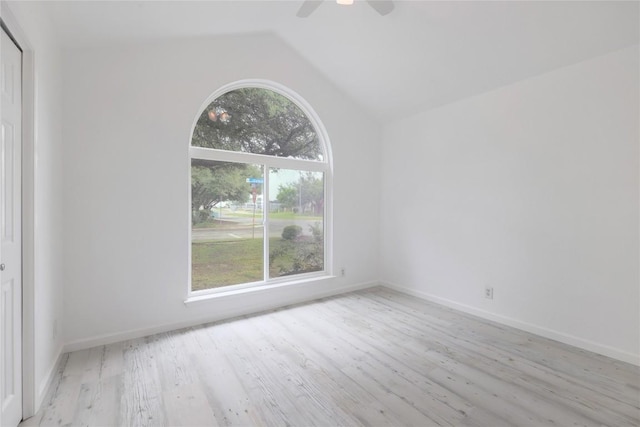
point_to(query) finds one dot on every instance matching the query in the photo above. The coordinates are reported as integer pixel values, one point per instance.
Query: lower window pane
(227, 246)
(296, 222)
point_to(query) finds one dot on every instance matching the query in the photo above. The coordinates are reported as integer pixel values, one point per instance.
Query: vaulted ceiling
(422, 55)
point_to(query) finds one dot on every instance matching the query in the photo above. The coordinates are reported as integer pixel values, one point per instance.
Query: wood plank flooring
(369, 358)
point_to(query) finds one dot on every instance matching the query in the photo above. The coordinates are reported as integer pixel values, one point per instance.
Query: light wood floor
(373, 358)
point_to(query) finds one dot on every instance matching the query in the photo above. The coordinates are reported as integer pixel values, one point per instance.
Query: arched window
(260, 190)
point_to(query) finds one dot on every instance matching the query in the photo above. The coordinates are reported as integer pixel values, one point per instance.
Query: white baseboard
(46, 382)
(594, 347)
(83, 344)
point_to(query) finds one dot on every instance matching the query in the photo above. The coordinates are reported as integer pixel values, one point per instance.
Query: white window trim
(325, 166)
(256, 159)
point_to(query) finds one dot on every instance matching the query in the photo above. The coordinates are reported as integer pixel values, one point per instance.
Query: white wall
(47, 186)
(531, 189)
(128, 112)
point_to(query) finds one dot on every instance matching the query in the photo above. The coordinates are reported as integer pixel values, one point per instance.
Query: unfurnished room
(320, 213)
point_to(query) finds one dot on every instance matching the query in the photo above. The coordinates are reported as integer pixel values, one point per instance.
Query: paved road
(243, 230)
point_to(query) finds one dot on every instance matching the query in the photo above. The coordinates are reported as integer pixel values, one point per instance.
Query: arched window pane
(258, 220)
(260, 121)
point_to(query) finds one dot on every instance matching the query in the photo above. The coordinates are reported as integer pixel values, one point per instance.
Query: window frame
(325, 166)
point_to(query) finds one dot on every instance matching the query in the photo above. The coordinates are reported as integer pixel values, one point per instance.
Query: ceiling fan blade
(383, 7)
(308, 7)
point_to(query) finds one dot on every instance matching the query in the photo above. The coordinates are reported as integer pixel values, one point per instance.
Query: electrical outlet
(488, 292)
(343, 272)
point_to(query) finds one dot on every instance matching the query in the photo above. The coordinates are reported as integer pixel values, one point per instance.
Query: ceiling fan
(383, 7)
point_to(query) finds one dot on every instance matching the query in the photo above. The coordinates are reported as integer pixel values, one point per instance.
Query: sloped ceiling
(422, 55)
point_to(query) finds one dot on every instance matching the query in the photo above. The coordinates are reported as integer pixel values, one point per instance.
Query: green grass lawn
(215, 223)
(275, 215)
(294, 216)
(222, 263)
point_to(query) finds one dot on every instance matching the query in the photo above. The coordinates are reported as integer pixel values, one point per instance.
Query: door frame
(29, 387)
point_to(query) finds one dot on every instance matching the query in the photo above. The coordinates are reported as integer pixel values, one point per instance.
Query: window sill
(254, 289)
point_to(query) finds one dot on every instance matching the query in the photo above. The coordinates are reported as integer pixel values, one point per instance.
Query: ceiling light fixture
(383, 7)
